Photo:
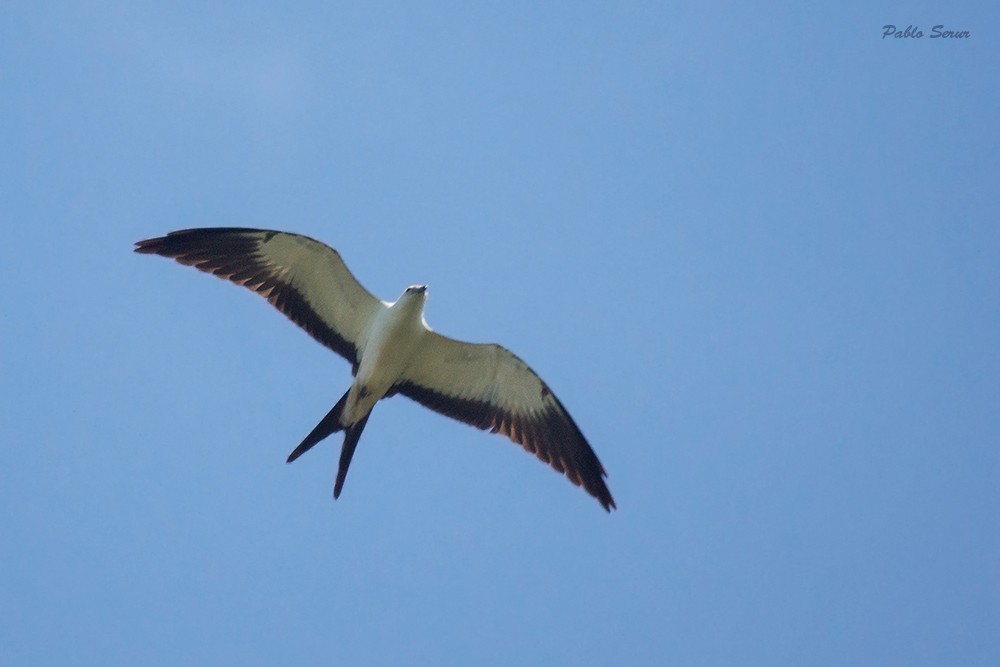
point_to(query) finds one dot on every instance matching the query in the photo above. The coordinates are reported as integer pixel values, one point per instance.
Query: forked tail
(351, 436)
(328, 425)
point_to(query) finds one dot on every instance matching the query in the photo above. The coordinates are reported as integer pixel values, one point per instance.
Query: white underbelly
(395, 337)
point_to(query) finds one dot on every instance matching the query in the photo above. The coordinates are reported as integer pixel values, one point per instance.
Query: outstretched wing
(488, 387)
(303, 278)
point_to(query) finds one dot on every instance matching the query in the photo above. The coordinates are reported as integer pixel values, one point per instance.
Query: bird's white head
(413, 296)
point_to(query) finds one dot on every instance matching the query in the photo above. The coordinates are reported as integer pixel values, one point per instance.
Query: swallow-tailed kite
(391, 349)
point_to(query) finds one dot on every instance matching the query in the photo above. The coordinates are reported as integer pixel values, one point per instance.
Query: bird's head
(415, 294)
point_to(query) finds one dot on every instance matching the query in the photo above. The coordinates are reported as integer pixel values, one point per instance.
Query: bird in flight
(391, 349)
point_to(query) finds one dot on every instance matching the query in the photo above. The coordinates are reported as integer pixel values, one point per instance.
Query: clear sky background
(754, 250)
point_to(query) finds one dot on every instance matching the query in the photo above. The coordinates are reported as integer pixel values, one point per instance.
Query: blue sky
(754, 251)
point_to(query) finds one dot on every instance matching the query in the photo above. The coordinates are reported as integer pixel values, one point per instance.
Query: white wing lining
(489, 387)
(303, 278)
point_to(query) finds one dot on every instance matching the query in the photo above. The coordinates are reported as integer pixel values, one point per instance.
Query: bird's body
(391, 349)
(392, 341)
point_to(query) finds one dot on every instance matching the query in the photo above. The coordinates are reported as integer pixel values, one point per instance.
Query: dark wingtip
(178, 240)
(603, 494)
(147, 246)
